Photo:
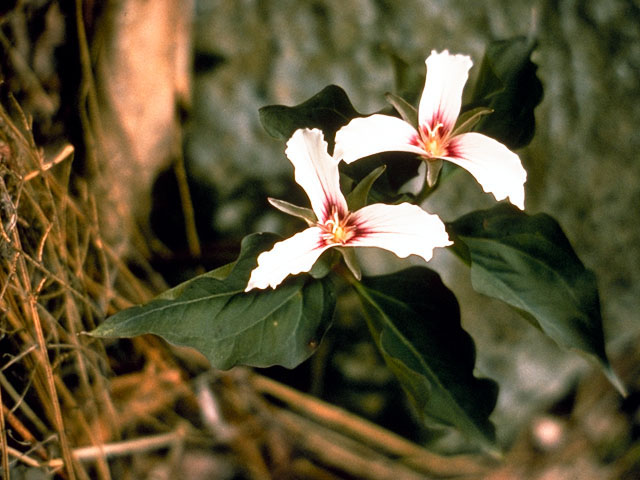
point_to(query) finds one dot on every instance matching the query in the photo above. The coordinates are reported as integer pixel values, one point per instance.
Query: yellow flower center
(433, 141)
(337, 230)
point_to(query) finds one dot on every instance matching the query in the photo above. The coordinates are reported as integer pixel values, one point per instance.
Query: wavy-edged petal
(289, 257)
(316, 171)
(377, 133)
(403, 229)
(442, 95)
(496, 168)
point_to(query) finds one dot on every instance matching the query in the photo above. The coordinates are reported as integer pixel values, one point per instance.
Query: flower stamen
(337, 230)
(434, 141)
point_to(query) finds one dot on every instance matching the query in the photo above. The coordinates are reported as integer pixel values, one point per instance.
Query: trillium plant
(274, 304)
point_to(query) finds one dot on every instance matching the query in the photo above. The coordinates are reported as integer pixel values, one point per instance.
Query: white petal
(442, 94)
(316, 171)
(288, 257)
(403, 229)
(365, 136)
(496, 168)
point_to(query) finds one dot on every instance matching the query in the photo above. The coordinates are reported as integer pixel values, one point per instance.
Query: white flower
(403, 229)
(497, 169)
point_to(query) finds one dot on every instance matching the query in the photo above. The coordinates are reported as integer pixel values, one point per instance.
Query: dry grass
(57, 281)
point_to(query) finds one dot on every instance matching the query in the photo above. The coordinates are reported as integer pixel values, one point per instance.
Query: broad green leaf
(328, 110)
(507, 84)
(528, 262)
(415, 321)
(214, 315)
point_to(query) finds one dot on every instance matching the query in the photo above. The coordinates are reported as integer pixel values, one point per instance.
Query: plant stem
(425, 192)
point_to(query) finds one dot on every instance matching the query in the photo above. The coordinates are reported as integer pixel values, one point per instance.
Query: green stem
(446, 172)
(340, 270)
(425, 192)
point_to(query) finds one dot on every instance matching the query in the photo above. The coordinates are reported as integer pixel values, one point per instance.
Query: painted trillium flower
(497, 169)
(403, 229)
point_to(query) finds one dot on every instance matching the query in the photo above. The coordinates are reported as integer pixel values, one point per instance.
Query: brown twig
(3, 441)
(43, 361)
(339, 451)
(367, 432)
(109, 450)
(65, 153)
(26, 459)
(20, 404)
(92, 127)
(23, 431)
(185, 200)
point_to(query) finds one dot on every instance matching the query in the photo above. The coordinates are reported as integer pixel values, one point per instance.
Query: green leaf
(290, 209)
(324, 265)
(528, 262)
(400, 168)
(508, 85)
(214, 315)
(407, 111)
(357, 198)
(351, 261)
(328, 110)
(467, 120)
(415, 321)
